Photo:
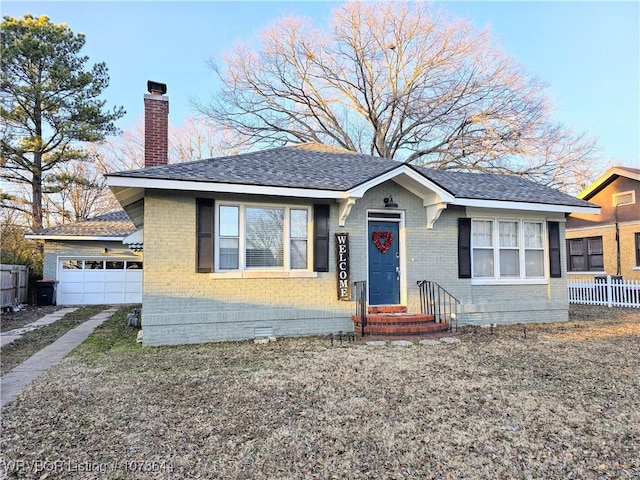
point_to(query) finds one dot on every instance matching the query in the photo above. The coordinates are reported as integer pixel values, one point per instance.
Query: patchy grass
(27, 314)
(595, 313)
(35, 340)
(560, 403)
(111, 337)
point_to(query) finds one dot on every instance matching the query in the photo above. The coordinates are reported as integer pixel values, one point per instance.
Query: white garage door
(95, 281)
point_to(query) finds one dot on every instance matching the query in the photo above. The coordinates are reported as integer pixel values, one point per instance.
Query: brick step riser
(387, 309)
(391, 330)
(378, 319)
(399, 326)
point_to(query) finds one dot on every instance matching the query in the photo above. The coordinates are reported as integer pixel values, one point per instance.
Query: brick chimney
(156, 125)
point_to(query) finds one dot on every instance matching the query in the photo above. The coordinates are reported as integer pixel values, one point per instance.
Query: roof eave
(138, 184)
(605, 179)
(75, 237)
(115, 182)
(526, 206)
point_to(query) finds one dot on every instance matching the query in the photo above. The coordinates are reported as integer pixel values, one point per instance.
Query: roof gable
(607, 178)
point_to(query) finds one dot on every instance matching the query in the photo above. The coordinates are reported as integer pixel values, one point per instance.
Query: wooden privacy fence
(14, 282)
(609, 291)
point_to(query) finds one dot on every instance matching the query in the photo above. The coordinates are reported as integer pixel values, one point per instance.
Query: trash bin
(46, 292)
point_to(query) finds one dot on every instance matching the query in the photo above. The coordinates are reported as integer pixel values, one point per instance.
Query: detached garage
(95, 261)
(86, 281)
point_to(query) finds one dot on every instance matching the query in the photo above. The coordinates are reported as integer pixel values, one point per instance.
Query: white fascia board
(185, 185)
(74, 237)
(135, 237)
(127, 195)
(360, 190)
(595, 186)
(515, 214)
(527, 206)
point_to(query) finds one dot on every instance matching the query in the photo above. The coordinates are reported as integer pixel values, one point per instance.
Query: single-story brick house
(95, 261)
(270, 242)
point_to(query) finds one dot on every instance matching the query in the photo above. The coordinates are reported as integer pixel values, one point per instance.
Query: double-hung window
(509, 239)
(507, 249)
(533, 249)
(483, 248)
(229, 237)
(299, 238)
(262, 237)
(585, 254)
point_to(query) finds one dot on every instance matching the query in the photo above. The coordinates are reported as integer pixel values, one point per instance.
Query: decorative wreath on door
(382, 240)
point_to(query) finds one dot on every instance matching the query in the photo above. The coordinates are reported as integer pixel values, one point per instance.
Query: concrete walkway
(12, 335)
(25, 373)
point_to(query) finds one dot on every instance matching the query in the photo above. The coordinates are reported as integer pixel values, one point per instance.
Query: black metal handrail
(436, 301)
(360, 289)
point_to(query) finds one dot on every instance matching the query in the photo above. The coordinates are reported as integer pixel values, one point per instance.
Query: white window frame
(522, 249)
(615, 198)
(263, 272)
(93, 258)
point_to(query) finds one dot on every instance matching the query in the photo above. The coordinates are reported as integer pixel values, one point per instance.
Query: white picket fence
(611, 292)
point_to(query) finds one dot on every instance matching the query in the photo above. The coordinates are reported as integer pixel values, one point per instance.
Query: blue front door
(384, 263)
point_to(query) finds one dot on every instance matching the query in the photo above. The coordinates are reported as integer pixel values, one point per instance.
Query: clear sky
(587, 52)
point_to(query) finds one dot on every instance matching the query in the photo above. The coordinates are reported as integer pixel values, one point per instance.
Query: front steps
(394, 321)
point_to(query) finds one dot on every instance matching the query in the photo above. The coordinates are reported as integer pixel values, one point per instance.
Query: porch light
(389, 203)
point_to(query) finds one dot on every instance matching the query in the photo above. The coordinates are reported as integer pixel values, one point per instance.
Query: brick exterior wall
(432, 254)
(156, 130)
(182, 306)
(628, 267)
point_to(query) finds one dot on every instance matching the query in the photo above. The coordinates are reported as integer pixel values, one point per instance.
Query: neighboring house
(90, 261)
(266, 243)
(607, 243)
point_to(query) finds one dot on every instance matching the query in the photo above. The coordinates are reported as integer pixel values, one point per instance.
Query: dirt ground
(560, 402)
(595, 312)
(31, 313)
(27, 314)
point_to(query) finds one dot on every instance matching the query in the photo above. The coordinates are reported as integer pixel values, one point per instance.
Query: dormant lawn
(564, 402)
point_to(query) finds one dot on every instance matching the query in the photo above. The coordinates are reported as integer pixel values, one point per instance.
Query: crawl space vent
(262, 332)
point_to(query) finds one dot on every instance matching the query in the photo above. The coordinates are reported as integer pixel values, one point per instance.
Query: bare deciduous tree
(75, 191)
(123, 152)
(396, 80)
(195, 139)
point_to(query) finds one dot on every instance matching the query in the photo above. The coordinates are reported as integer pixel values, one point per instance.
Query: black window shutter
(464, 248)
(321, 238)
(570, 267)
(555, 268)
(204, 239)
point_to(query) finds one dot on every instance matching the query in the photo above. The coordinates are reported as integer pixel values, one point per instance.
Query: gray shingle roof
(300, 166)
(314, 166)
(112, 224)
(510, 188)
